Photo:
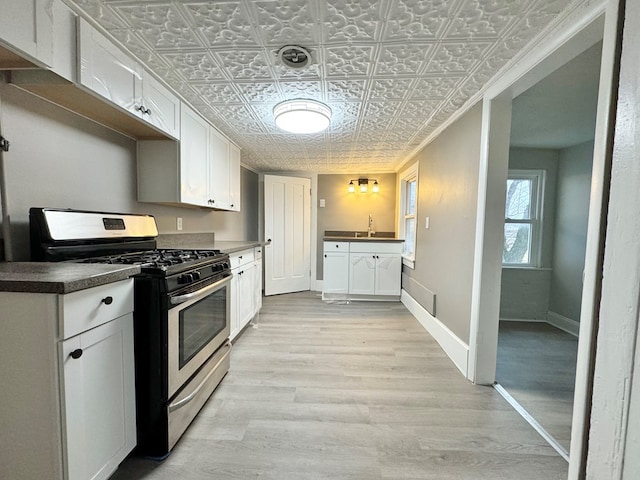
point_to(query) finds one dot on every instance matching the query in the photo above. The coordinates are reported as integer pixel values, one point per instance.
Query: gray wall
(573, 193)
(59, 159)
(448, 190)
(524, 292)
(350, 211)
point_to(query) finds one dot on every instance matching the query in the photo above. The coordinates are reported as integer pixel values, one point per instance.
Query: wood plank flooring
(349, 391)
(537, 366)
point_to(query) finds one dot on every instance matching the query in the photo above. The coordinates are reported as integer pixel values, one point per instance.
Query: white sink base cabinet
(64, 417)
(365, 270)
(246, 288)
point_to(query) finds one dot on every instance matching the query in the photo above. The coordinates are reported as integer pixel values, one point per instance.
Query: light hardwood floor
(537, 366)
(355, 391)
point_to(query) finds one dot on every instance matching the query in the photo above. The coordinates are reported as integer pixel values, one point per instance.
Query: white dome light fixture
(302, 116)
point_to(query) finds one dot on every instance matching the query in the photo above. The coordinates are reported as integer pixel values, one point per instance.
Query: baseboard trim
(456, 349)
(563, 323)
(524, 320)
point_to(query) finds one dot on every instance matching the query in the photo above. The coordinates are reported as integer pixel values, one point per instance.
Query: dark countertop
(335, 238)
(204, 241)
(59, 277)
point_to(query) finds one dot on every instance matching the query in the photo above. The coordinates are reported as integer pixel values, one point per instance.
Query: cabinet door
(362, 268)
(161, 107)
(219, 170)
(107, 70)
(99, 399)
(234, 178)
(234, 321)
(257, 284)
(27, 26)
(194, 158)
(247, 293)
(336, 272)
(388, 273)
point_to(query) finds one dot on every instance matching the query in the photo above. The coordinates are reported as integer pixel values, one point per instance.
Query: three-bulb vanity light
(363, 185)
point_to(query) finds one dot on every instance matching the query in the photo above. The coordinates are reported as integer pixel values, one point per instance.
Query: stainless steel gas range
(181, 312)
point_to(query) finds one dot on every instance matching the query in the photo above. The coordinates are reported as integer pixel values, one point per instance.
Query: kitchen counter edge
(60, 277)
(362, 239)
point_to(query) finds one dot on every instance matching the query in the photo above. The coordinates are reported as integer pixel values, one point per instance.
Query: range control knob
(196, 275)
(185, 278)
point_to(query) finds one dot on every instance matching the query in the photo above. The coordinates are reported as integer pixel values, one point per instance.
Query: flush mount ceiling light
(363, 184)
(302, 116)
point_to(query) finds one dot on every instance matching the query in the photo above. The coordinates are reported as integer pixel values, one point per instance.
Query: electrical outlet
(179, 223)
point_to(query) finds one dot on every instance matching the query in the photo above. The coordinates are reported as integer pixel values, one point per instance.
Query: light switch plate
(426, 222)
(322, 203)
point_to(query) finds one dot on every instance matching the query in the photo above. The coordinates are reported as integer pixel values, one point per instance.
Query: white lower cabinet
(246, 288)
(362, 270)
(336, 268)
(68, 363)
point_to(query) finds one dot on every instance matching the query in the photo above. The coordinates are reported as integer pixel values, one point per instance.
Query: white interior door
(287, 229)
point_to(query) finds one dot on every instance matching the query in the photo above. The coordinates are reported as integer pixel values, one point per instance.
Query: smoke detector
(294, 56)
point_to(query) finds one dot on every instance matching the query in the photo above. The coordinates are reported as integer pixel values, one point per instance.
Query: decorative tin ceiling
(392, 71)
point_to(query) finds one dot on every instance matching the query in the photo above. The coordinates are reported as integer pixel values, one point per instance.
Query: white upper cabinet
(27, 28)
(194, 158)
(219, 170)
(160, 107)
(196, 171)
(234, 178)
(108, 71)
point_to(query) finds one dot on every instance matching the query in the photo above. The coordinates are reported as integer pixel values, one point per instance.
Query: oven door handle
(177, 300)
(181, 403)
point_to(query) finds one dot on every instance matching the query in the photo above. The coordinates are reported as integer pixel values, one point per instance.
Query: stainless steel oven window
(200, 323)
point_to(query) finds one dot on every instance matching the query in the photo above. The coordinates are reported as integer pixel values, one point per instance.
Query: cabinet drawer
(241, 258)
(336, 246)
(87, 309)
(376, 247)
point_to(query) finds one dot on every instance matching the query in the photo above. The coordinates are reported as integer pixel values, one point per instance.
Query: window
(408, 180)
(523, 218)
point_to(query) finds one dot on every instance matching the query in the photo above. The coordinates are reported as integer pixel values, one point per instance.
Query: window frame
(405, 177)
(536, 205)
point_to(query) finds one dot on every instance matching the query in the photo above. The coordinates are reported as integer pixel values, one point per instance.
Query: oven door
(198, 326)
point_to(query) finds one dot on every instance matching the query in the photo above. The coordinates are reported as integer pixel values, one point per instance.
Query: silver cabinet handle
(188, 296)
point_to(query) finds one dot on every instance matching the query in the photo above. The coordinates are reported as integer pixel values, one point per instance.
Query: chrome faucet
(369, 230)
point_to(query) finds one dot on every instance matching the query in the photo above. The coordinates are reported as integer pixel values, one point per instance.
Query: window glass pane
(409, 235)
(517, 243)
(518, 204)
(411, 198)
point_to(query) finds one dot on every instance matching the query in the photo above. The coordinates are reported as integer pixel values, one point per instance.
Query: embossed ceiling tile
(349, 61)
(417, 20)
(313, 71)
(244, 64)
(481, 19)
(402, 59)
(291, 90)
(102, 14)
(195, 66)
(381, 109)
(543, 11)
(346, 110)
(342, 125)
(288, 22)
(217, 93)
(258, 92)
(390, 89)
(457, 57)
(160, 24)
(437, 86)
(345, 90)
(221, 23)
(348, 21)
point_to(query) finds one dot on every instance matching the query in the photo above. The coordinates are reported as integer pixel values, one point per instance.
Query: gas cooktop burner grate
(157, 258)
